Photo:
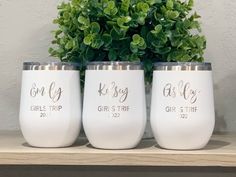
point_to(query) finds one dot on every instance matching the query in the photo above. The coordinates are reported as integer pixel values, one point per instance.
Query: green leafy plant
(128, 30)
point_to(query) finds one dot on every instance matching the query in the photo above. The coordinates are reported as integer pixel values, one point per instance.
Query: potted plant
(146, 31)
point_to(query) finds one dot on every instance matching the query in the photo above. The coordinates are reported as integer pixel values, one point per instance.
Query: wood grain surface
(221, 151)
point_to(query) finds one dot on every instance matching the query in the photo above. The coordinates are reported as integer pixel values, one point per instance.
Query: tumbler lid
(50, 66)
(115, 65)
(182, 66)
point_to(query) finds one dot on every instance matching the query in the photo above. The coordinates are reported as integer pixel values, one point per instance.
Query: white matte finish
(50, 110)
(182, 109)
(111, 119)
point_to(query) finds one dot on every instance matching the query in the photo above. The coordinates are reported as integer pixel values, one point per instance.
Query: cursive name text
(114, 91)
(53, 92)
(183, 89)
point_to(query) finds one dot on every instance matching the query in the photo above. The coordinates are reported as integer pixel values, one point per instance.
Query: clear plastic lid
(115, 65)
(50, 66)
(182, 66)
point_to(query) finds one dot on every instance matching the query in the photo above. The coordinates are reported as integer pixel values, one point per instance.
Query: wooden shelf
(221, 151)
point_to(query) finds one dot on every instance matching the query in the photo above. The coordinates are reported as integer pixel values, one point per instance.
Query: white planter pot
(182, 110)
(50, 109)
(114, 109)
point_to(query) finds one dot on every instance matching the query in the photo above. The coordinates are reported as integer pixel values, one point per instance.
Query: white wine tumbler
(182, 109)
(114, 109)
(50, 108)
